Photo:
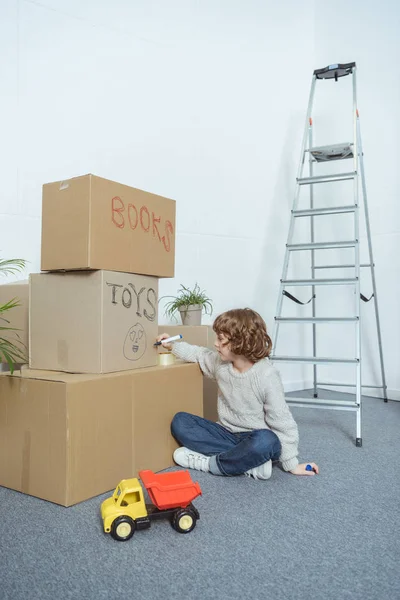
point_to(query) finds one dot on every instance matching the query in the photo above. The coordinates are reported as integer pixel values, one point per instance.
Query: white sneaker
(191, 459)
(264, 471)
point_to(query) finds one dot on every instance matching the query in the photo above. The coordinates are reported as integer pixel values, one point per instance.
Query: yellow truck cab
(127, 500)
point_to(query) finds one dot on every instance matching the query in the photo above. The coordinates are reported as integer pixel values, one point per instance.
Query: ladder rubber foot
(358, 442)
(385, 399)
(315, 395)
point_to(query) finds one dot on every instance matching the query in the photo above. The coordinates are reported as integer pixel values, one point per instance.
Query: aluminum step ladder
(322, 154)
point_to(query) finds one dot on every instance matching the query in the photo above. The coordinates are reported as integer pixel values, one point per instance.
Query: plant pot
(191, 314)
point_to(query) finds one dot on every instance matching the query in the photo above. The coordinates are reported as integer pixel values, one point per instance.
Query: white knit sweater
(251, 400)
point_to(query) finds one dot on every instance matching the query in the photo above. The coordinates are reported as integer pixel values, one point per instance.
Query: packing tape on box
(165, 359)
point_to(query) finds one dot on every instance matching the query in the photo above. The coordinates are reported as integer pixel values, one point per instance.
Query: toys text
(140, 300)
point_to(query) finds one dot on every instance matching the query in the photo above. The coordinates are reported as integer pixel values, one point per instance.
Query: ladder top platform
(332, 152)
(335, 71)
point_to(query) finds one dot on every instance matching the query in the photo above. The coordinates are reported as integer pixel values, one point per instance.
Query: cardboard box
(201, 335)
(17, 317)
(66, 438)
(92, 223)
(92, 322)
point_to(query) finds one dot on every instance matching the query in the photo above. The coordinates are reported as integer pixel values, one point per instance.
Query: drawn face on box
(135, 342)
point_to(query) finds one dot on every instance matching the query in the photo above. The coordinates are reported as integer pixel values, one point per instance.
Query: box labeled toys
(92, 321)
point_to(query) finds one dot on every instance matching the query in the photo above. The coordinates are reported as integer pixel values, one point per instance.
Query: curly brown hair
(246, 331)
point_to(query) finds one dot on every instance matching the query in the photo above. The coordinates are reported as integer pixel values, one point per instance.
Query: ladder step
(341, 266)
(322, 403)
(316, 319)
(332, 152)
(322, 245)
(344, 281)
(377, 387)
(327, 178)
(313, 360)
(312, 212)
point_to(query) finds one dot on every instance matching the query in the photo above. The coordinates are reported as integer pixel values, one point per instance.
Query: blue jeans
(231, 453)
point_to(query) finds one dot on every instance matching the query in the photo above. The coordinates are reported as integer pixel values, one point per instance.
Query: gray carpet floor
(333, 536)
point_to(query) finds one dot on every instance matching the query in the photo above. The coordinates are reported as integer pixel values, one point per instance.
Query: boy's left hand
(301, 469)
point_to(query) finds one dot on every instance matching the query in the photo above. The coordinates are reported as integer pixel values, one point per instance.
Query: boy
(255, 424)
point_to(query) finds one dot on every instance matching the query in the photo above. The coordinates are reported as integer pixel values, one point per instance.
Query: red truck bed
(170, 490)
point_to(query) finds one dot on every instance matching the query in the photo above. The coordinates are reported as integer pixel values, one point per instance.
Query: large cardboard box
(92, 223)
(201, 335)
(67, 438)
(92, 321)
(17, 317)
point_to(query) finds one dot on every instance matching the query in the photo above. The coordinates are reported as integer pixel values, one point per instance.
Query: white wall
(203, 102)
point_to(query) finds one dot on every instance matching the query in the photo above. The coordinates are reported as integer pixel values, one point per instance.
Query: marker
(309, 468)
(171, 339)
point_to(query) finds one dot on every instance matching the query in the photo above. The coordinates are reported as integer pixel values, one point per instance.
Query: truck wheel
(184, 520)
(123, 528)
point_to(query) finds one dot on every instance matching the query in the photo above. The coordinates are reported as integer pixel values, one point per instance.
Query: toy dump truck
(171, 493)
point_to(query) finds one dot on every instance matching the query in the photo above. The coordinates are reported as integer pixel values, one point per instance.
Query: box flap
(28, 373)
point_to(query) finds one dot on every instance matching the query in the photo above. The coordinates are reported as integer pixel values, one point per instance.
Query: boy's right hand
(162, 337)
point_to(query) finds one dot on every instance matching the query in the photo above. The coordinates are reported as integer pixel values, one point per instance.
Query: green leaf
(13, 265)
(9, 305)
(9, 362)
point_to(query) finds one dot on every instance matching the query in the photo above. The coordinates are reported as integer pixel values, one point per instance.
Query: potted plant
(190, 303)
(11, 349)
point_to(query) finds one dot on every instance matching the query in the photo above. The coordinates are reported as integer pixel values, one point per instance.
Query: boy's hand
(301, 469)
(162, 337)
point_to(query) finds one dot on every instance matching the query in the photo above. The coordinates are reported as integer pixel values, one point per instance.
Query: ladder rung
(314, 360)
(334, 210)
(378, 387)
(316, 319)
(322, 245)
(341, 266)
(322, 403)
(344, 281)
(327, 178)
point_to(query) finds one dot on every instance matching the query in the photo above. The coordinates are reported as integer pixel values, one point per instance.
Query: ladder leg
(292, 219)
(358, 435)
(371, 261)
(357, 265)
(314, 328)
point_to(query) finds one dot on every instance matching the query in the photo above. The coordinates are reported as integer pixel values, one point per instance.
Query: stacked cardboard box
(93, 406)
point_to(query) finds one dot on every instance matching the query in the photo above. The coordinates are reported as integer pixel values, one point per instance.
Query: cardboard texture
(92, 322)
(66, 438)
(201, 335)
(112, 227)
(18, 316)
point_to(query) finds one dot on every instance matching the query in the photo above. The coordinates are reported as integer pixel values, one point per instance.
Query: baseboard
(292, 386)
